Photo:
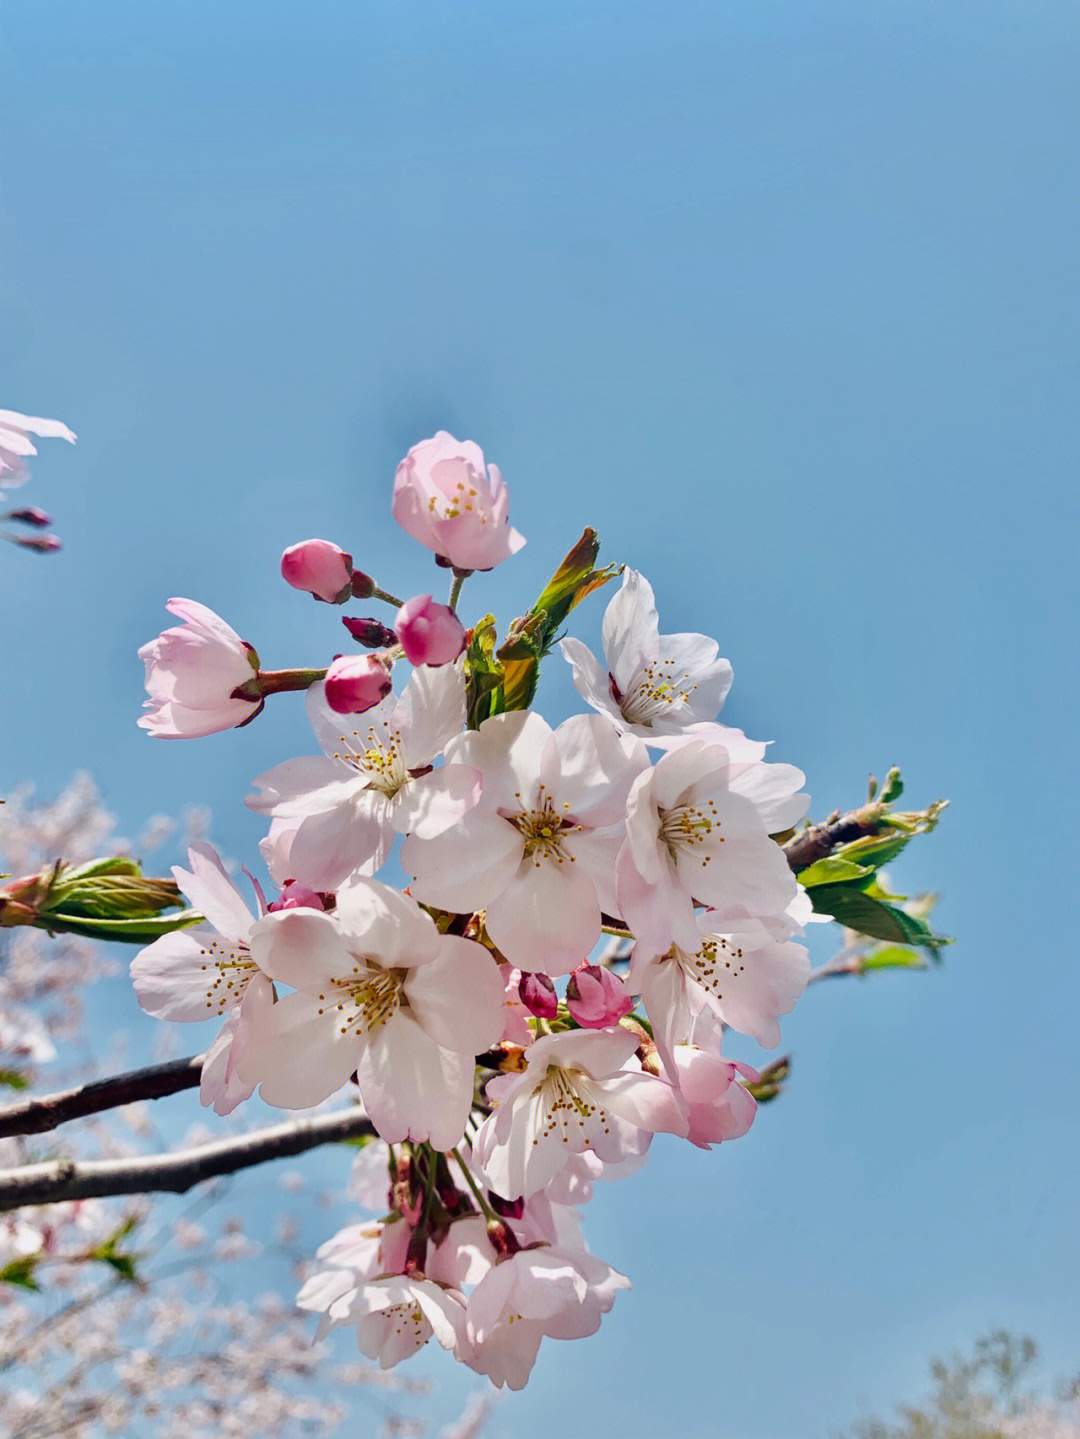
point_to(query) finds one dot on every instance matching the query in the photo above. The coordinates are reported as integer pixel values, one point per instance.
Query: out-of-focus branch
(36, 1116)
(65, 1179)
(819, 840)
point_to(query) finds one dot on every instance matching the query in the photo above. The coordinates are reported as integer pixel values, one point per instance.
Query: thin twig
(63, 1179)
(36, 1116)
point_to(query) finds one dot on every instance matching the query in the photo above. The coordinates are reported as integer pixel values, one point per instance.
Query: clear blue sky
(783, 299)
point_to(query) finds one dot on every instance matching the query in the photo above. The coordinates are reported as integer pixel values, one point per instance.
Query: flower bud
(355, 683)
(596, 998)
(296, 896)
(320, 568)
(537, 994)
(44, 544)
(430, 634)
(363, 586)
(370, 632)
(31, 515)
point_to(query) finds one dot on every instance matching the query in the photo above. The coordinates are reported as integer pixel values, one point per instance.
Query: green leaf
(483, 674)
(520, 659)
(13, 1079)
(121, 1261)
(20, 1272)
(831, 870)
(893, 956)
(854, 909)
(127, 931)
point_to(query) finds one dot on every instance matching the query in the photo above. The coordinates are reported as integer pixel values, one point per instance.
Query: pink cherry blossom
(430, 634)
(356, 683)
(381, 992)
(393, 1315)
(339, 815)
(193, 673)
(16, 445)
(446, 498)
(208, 972)
(698, 830)
(582, 1089)
(737, 969)
(320, 568)
(538, 850)
(720, 1107)
(597, 998)
(655, 686)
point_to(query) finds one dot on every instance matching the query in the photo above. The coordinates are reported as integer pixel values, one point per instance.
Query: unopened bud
(596, 998)
(537, 994)
(369, 632)
(296, 896)
(502, 1239)
(31, 515)
(506, 1208)
(430, 634)
(355, 683)
(44, 544)
(320, 568)
(363, 586)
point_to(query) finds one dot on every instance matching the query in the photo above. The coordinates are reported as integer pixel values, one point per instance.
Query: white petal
(429, 804)
(591, 680)
(547, 918)
(213, 893)
(458, 998)
(630, 629)
(302, 947)
(431, 712)
(412, 1088)
(307, 1057)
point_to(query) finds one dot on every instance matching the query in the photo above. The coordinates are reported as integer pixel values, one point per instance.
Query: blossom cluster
(505, 1062)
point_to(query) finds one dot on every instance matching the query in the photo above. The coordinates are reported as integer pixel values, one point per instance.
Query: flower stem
(478, 1193)
(460, 576)
(272, 682)
(386, 597)
(616, 930)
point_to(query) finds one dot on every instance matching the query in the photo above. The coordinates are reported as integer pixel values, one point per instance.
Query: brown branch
(35, 1116)
(819, 840)
(63, 1179)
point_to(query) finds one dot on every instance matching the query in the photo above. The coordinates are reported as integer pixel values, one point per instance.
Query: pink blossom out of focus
(192, 674)
(448, 499)
(596, 998)
(430, 634)
(15, 442)
(296, 896)
(320, 568)
(355, 683)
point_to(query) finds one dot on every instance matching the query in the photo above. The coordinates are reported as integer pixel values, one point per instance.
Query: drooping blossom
(430, 634)
(535, 1294)
(720, 1107)
(378, 991)
(355, 684)
(208, 972)
(16, 444)
(449, 500)
(736, 968)
(320, 568)
(654, 686)
(394, 1315)
(698, 829)
(193, 673)
(538, 849)
(580, 1089)
(338, 815)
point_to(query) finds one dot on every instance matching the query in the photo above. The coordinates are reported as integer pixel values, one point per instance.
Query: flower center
(543, 829)
(228, 969)
(717, 960)
(459, 499)
(656, 691)
(686, 826)
(376, 757)
(368, 1000)
(566, 1109)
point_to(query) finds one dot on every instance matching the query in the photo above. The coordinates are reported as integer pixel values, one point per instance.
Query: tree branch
(36, 1116)
(62, 1179)
(819, 840)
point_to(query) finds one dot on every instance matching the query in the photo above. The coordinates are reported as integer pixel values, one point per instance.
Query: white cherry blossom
(342, 812)
(394, 1315)
(538, 850)
(381, 992)
(654, 686)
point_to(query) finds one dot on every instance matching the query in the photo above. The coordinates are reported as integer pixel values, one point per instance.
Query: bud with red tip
(355, 683)
(369, 632)
(596, 998)
(44, 544)
(430, 634)
(30, 515)
(320, 568)
(537, 994)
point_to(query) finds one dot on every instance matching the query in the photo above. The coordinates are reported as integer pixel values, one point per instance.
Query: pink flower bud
(320, 568)
(537, 994)
(296, 896)
(596, 998)
(430, 634)
(355, 683)
(31, 515)
(198, 676)
(371, 633)
(44, 544)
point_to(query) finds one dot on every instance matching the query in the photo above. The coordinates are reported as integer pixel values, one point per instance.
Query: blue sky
(783, 300)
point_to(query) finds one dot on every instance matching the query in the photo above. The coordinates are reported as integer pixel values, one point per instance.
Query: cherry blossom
(430, 634)
(579, 1090)
(446, 498)
(378, 991)
(597, 998)
(356, 683)
(538, 850)
(395, 1315)
(193, 673)
(338, 815)
(655, 686)
(720, 1107)
(696, 832)
(320, 568)
(16, 445)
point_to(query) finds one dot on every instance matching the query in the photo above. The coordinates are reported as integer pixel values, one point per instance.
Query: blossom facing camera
(355, 683)
(194, 673)
(430, 634)
(320, 568)
(449, 500)
(16, 445)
